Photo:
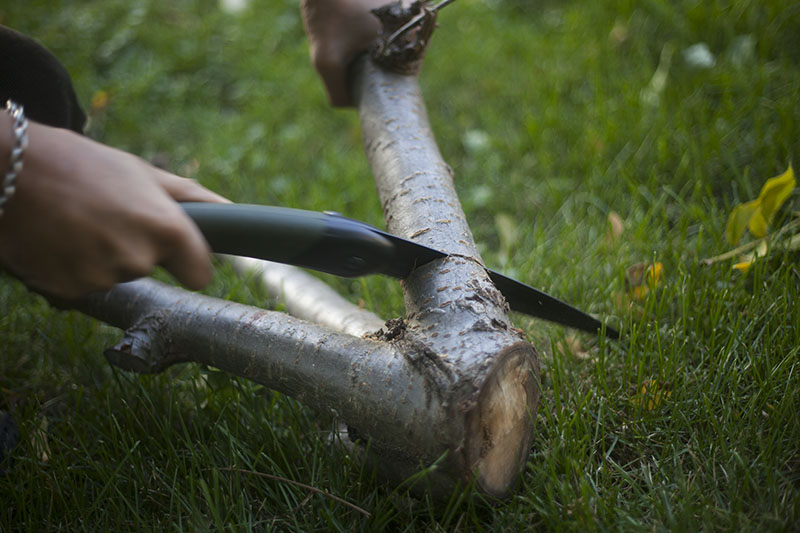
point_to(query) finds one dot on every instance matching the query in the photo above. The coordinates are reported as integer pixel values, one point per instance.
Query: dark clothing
(33, 77)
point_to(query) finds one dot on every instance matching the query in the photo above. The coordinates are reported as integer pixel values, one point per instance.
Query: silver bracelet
(20, 129)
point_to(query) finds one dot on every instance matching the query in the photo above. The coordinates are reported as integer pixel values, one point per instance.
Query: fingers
(183, 250)
(175, 240)
(187, 254)
(185, 189)
(87, 216)
(190, 262)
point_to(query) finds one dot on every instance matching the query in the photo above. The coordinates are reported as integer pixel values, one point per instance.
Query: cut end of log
(501, 423)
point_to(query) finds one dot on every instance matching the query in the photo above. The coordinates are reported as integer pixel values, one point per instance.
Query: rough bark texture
(478, 362)
(386, 392)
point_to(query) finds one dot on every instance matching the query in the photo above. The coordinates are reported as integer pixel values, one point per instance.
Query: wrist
(19, 130)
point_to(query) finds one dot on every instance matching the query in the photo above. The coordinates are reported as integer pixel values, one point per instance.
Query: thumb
(333, 71)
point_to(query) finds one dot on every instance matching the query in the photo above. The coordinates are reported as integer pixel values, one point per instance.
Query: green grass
(555, 90)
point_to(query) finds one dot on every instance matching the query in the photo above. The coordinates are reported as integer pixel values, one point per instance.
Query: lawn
(586, 138)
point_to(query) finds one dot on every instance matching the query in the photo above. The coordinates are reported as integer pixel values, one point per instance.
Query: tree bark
(486, 373)
(397, 395)
(386, 392)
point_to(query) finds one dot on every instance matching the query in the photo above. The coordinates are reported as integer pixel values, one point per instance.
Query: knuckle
(172, 232)
(186, 184)
(167, 227)
(131, 263)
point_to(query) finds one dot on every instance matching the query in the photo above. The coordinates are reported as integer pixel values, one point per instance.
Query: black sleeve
(32, 76)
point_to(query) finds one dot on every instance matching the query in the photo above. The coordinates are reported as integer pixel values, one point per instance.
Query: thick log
(487, 375)
(387, 392)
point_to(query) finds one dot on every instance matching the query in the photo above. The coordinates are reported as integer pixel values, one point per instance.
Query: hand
(338, 32)
(86, 216)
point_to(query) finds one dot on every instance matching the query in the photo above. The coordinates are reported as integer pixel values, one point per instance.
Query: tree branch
(487, 375)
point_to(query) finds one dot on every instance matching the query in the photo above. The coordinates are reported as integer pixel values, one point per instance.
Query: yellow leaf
(640, 292)
(642, 277)
(757, 224)
(774, 193)
(99, 100)
(743, 267)
(747, 260)
(761, 250)
(655, 273)
(758, 214)
(739, 219)
(652, 393)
